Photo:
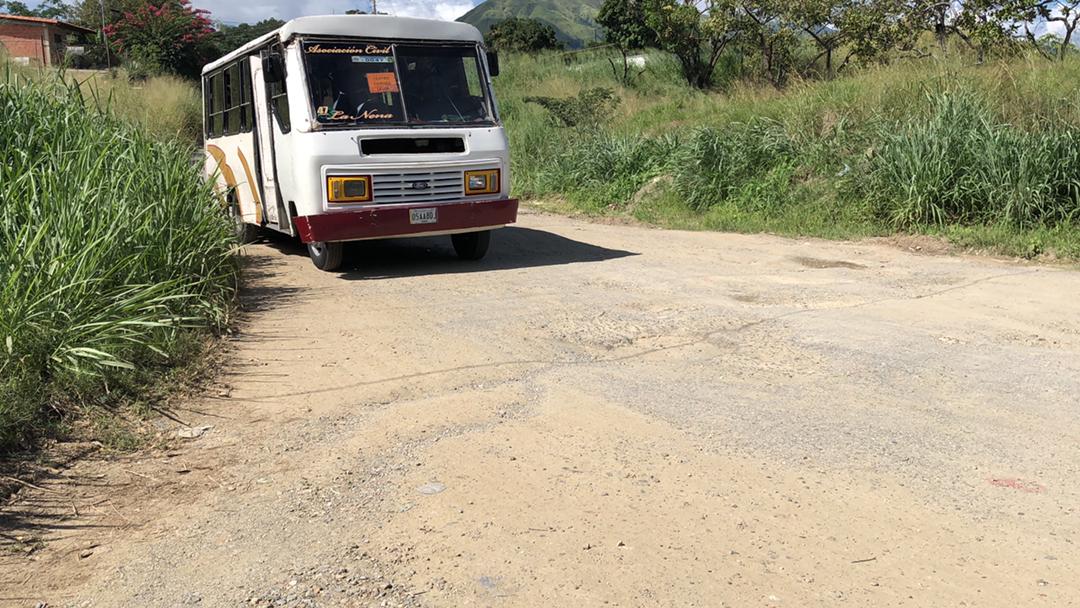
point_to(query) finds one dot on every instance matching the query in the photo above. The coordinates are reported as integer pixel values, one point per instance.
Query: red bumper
(388, 222)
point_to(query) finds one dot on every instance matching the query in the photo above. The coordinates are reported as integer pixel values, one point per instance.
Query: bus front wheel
(244, 232)
(472, 245)
(326, 256)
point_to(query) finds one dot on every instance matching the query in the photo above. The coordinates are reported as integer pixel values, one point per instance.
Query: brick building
(38, 41)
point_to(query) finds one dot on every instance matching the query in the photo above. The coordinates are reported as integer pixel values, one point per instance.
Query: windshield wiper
(461, 117)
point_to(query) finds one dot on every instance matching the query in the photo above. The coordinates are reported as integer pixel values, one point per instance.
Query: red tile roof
(46, 21)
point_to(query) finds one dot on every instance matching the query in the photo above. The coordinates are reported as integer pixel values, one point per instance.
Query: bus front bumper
(376, 222)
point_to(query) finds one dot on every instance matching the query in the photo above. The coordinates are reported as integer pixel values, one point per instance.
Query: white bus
(345, 128)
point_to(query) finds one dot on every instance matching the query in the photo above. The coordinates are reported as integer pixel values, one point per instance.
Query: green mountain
(573, 20)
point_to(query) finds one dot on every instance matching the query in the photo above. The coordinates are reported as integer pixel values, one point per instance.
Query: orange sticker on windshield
(382, 82)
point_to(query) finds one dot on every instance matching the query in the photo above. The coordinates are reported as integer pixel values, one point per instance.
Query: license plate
(423, 216)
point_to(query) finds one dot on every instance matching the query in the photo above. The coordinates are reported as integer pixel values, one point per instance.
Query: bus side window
(208, 104)
(472, 76)
(234, 96)
(217, 109)
(279, 97)
(227, 86)
(246, 116)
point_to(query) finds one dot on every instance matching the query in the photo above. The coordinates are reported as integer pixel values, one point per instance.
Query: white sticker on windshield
(362, 59)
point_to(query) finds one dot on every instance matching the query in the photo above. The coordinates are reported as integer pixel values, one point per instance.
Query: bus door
(264, 127)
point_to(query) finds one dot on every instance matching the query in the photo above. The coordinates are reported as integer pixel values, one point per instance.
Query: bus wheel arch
(287, 221)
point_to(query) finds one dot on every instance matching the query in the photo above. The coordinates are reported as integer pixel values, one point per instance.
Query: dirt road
(603, 416)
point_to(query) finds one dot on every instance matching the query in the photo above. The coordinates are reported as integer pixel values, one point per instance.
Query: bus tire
(472, 245)
(326, 256)
(244, 232)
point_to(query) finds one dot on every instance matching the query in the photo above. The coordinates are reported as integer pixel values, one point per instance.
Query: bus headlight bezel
(483, 181)
(337, 194)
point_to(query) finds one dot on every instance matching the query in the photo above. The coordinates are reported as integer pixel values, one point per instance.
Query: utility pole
(104, 36)
(374, 7)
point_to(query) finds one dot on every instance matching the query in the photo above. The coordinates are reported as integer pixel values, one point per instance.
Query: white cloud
(232, 11)
(447, 11)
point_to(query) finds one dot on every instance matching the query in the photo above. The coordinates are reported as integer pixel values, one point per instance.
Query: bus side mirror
(493, 63)
(274, 68)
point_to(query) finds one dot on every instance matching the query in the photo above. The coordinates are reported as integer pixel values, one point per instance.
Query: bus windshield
(380, 84)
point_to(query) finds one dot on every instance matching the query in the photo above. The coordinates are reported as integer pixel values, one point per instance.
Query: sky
(231, 11)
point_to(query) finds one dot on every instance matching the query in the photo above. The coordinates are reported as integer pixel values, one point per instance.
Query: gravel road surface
(601, 415)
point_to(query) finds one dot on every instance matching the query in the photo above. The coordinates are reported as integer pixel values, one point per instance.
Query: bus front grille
(419, 187)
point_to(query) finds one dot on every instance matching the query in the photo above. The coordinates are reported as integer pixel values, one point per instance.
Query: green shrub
(598, 168)
(112, 247)
(590, 108)
(717, 162)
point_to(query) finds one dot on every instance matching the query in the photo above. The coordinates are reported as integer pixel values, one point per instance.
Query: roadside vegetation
(163, 106)
(987, 155)
(116, 257)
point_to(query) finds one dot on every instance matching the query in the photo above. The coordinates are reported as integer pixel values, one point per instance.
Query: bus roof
(360, 26)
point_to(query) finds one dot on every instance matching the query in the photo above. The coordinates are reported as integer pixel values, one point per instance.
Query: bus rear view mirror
(493, 63)
(274, 68)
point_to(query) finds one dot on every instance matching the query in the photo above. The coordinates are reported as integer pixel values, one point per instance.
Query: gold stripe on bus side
(223, 165)
(251, 183)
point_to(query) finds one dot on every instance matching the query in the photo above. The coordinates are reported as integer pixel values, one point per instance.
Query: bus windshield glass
(381, 84)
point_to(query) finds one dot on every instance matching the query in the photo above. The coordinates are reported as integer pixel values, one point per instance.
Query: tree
(764, 28)
(1065, 14)
(820, 20)
(49, 9)
(523, 35)
(19, 9)
(875, 29)
(162, 38)
(89, 12)
(987, 26)
(625, 29)
(981, 25)
(228, 38)
(696, 31)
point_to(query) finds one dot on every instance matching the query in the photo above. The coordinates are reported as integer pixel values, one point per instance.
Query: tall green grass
(112, 250)
(987, 155)
(961, 165)
(717, 163)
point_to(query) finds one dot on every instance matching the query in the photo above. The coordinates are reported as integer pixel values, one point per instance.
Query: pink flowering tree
(162, 37)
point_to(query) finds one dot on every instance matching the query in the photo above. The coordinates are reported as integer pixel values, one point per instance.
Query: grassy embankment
(116, 259)
(987, 156)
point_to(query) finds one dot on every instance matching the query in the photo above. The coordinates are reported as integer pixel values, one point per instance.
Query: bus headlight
(349, 189)
(487, 181)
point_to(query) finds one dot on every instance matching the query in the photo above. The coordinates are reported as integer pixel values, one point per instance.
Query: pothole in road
(820, 264)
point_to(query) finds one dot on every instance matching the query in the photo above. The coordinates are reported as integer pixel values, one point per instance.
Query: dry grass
(165, 107)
